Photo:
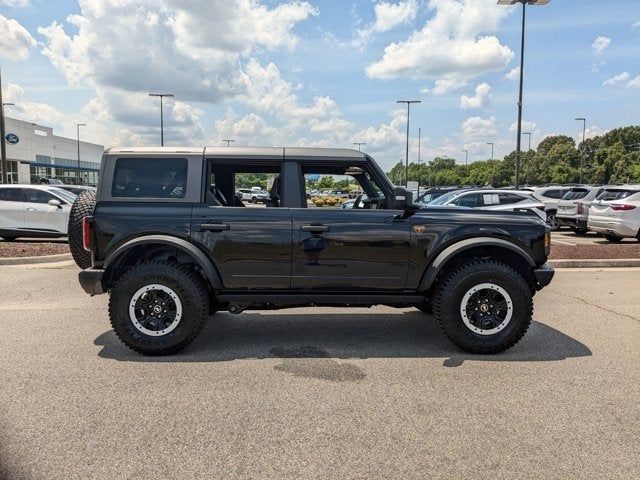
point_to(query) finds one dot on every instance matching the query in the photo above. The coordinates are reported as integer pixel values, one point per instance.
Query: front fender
(451, 251)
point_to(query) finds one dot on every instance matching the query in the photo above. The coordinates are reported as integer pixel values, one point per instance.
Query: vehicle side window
(341, 187)
(553, 194)
(150, 178)
(37, 196)
(510, 198)
(470, 200)
(10, 194)
(243, 185)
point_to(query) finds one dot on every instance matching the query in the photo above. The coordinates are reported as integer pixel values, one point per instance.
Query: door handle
(314, 228)
(30, 209)
(214, 227)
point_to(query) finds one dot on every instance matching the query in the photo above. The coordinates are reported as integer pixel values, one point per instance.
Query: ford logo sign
(11, 138)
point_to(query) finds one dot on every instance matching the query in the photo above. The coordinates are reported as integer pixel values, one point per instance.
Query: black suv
(172, 243)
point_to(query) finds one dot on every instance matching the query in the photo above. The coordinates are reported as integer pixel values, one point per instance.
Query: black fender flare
(448, 253)
(194, 252)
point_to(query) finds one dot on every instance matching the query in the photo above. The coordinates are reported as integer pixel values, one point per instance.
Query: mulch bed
(581, 252)
(31, 249)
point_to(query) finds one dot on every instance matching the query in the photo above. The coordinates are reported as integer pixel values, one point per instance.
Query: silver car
(573, 209)
(550, 196)
(40, 211)
(486, 199)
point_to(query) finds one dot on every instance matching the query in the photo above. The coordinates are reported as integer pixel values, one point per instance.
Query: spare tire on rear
(82, 207)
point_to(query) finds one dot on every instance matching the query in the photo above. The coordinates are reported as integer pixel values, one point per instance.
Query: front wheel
(158, 308)
(612, 238)
(484, 306)
(552, 221)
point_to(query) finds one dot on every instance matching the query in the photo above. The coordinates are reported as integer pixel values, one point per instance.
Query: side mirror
(403, 200)
(54, 203)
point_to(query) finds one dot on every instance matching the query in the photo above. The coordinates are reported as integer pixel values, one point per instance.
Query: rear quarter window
(609, 195)
(575, 194)
(150, 178)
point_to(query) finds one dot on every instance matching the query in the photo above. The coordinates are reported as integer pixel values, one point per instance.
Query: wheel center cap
(157, 309)
(484, 308)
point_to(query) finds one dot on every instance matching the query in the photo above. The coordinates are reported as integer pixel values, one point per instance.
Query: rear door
(250, 243)
(11, 209)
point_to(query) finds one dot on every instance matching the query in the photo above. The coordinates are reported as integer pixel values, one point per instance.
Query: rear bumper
(575, 221)
(614, 226)
(544, 275)
(91, 281)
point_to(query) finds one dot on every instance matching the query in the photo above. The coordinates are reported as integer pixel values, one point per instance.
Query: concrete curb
(31, 260)
(596, 262)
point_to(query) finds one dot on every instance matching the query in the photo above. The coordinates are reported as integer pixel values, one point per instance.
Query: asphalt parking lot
(322, 393)
(567, 237)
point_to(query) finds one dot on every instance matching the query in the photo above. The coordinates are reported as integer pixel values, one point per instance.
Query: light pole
(493, 168)
(161, 95)
(584, 129)
(466, 157)
(526, 174)
(228, 140)
(524, 9)
(78, 125)
(406, 158)
(359, 144)
(4, 175)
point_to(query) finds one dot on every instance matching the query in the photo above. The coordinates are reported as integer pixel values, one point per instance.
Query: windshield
(609, 195)
(443, 199)
(64, 194)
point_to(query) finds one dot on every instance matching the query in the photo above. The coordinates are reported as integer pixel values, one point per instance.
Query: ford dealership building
(34, 152)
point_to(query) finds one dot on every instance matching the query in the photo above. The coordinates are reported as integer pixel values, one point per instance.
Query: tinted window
(470, 200)
(575, 194)
(553, 194)
(37, 196)
(608, 195)
(150, 178)
(11, 194)
(510, 198)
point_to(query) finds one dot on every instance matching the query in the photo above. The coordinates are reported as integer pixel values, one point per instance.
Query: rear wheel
(612, 238)
(82, 207)
(580, 231)
(254, 199)
(8, 238)
(552, 221)
(158, 308)
(484, 306)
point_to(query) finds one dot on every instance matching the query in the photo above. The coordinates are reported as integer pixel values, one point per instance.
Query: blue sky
(324, 73)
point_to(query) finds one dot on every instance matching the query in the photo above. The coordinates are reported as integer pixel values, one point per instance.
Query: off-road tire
(449, 294)
(425, 307)
(193, 295)
(82, 207)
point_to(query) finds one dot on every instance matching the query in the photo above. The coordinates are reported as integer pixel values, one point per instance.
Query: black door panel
(349, 249)
(250, 246)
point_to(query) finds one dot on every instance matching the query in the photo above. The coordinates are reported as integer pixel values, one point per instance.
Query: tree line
(606, 159)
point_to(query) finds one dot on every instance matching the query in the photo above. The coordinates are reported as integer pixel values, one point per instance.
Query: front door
(40, 216)
(349, 249)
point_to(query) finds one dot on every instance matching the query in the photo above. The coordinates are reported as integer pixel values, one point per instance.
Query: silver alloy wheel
(155, 310)
(486, 309)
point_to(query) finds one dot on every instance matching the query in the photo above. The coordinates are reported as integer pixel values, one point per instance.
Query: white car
(253, 195)
(615, 213)
(550, 196)
(487, 199)
(37, 211)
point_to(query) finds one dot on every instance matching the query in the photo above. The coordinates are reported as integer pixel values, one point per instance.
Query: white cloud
(590, 132)
(389, 15)
(444, 86)
(513, 74)
(635, 25)
(15, 3)
(622, 77)
(477, 127)
(480, 99)
(150, 46)
(453, 45)
(35, 112)
(599, 44)
(526, 126)
(15, 40)
(635, 83)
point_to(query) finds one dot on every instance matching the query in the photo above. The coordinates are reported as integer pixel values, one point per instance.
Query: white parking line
(563, 243)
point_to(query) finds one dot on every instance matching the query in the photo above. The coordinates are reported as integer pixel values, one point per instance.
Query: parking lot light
(406, 159)
(519, 135)
(161, 95)
(584, 128)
